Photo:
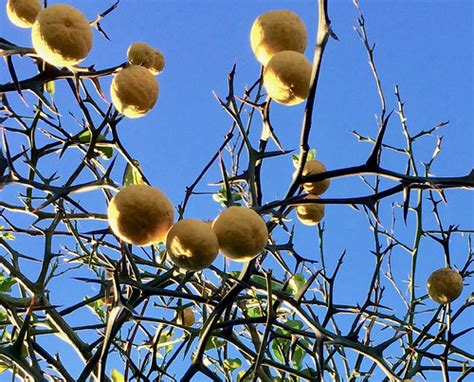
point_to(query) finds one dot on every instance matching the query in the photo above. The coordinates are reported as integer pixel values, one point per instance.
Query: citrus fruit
(241, 232)
(444, 285)
(185, 317)
(192, 244)
(140, 214)
(310, 214)
(158, 63)
(134, 91)
(275, 31)
(140, 53)
(287, 76)
(62, 35)
(22, 13)
(313, 167)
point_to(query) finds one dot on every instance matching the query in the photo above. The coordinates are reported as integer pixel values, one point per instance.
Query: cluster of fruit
(278, 39)
(143, 215)
(62, 36)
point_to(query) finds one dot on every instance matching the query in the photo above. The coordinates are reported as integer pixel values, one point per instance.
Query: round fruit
(22, 13)
(140, 53)
(62, 35)
(287, 76)
(192, 244)
(275, 31)
(242, 233)
(310, 214)
(444, 285)
(134, 91)
(140, 214)
(158, 63)
(185, 317)
(314, 167)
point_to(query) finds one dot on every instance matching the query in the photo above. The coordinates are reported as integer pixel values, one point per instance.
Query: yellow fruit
(275, 31)
(192, 244)
(134, 91)
(140, 214)
(185, 317)
(242, 233)
(140, 53)
(313, 167)
(22, 13)
(286, 77)
(310, 214)
(444, 285)
(62, 35)
(158, 63)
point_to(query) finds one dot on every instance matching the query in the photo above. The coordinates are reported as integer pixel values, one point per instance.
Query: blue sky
(423, 46)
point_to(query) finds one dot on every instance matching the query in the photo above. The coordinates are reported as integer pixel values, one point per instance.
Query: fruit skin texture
(22, 13)
(275, 31)
(134, 91)
(192, 244)
(242, 233)
(444, 285)
(185, 317)
(158, 63)
(140, 215)
(287, 76)
(313, 167)
(140, 53)
(310, 214)
(62, 35)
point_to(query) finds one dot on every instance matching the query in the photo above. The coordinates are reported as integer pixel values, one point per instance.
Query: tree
(280, 316)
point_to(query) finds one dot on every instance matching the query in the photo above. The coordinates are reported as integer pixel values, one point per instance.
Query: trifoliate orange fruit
(140, 53)
(286, 77)
(444, 285)
(313, 167)
(22, 13)
(185, 317)
(241, 232)
(310, 214)
(134, 91)
(275, 31)
(140, 215)
(158, 63)
(192, 244)
(62, 35)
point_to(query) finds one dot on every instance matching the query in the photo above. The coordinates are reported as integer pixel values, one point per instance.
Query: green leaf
(131, 176)
(105, 152)
(50, 87)
(6, 283)
(214, 343)
(117, 376)
(262, 282)
(297, 358)
(296, 157)
(232, 363)
(296, 283)
(6, 235)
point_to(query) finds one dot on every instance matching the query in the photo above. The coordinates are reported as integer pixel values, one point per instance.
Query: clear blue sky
(423, 46)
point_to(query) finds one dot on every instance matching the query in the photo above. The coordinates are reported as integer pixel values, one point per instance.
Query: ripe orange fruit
(134, 91)
(310, 214)
(444, 285)
(275, 31)
(140, 215)
(22, 13)
(192, 244)
(241, 232)
(287, 76)
(62, 35)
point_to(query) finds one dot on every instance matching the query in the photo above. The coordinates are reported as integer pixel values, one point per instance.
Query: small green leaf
(131, 176)
(232, 364)
(6, 235)
(296, 157)
(117, 376)
(262, 282)
(50, 87)
(6, 283)
(296, 283)
(105, 152)
(214, 343)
